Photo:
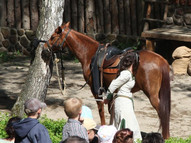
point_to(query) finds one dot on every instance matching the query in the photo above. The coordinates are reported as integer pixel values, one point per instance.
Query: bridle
(56, 42)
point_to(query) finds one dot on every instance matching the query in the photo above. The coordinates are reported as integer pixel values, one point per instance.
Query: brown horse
(152, 75)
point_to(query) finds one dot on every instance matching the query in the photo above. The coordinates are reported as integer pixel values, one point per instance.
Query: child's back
(73, 127)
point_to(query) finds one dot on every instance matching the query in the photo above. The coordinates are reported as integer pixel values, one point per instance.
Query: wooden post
(133, 17)
(90, 17)
(121, 17)
(67, 15)
(10, 13)
(3, 13)
(81, 15)
(74, 15)
(25, 14)
(127, 17)
(18, 14)
(99, 16)
(148, 13)
(34, 14)
(150, 45)
(114, 17)
(107, 17)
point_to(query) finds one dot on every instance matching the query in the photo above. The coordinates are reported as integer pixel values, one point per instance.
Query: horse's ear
(67, 24)
(58, 30)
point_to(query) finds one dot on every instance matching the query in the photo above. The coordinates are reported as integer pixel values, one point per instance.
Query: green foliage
(3, 122)
(54, 128)
(5, 56)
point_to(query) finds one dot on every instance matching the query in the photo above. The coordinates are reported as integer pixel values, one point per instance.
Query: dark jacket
(30, 131)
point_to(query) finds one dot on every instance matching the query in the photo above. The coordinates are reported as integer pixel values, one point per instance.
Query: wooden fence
(19, 13)
(87, 16)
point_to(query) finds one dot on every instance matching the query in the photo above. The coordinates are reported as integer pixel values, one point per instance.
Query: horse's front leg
(101, 112)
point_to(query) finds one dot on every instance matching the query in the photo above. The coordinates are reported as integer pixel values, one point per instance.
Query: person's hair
(9, 128)
(74, 139)
(72, 107)
(153, 138)
(123, 136)
(127, 60)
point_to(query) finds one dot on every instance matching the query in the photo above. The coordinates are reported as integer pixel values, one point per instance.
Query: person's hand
(105, 101)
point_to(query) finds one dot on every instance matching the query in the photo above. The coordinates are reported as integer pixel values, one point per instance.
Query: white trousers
(124, 110)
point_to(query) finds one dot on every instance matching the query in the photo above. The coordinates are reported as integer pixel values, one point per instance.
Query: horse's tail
(165, 101)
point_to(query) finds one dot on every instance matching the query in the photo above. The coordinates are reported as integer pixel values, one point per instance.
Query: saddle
(109, 58)
(107, 62)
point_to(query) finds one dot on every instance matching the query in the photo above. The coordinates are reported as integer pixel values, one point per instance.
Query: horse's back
(149, 72)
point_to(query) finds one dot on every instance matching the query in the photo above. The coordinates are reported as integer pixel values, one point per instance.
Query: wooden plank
(3, 13)
(18, 14)
(81, 15)
(67, 12)
(25, 14)
(157, 1)
(10, 13)
(34, 17)
(127, 17)
(121, 17)
(154, 20)
(107, 17)
(74, 18)
(114, 17)
(177, 33)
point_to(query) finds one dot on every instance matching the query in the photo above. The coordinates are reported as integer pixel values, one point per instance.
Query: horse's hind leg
(101, 112)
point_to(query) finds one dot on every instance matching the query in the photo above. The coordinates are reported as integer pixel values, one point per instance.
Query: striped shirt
(74, 128)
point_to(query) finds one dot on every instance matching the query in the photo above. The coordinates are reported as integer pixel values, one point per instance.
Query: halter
(60, 45)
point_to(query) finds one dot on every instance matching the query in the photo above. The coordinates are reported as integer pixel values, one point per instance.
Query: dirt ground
(12, 76)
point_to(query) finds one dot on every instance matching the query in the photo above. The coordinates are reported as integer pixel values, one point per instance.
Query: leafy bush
(54, 127)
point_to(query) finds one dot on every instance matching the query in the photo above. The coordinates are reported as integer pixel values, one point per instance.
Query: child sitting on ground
(73, 127)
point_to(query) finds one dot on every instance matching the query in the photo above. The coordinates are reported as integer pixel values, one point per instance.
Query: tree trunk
(39, 75)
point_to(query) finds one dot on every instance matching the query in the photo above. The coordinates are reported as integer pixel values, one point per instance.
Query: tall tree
(39, 74)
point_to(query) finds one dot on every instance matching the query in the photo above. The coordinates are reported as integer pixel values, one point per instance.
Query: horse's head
(58, 39)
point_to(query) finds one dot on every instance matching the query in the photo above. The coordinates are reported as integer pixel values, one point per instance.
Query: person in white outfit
(124, 116)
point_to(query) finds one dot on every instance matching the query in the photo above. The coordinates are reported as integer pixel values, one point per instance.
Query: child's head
(73, 107)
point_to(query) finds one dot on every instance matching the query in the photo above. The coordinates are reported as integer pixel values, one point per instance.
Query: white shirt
(124, 83)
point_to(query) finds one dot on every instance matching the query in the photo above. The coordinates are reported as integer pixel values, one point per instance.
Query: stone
(24, 41)
(6, 32)
(1, 37)
(180, 66)
(21, 32)
(187, 18)
(6, 43)
(3, 49)
(13, 39)
(181, 52)
(30, 34)
(13, 31)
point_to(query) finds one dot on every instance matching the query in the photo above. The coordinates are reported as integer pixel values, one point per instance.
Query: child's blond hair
(72, 107)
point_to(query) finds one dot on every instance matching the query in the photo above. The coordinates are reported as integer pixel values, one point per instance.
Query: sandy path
(12, 75)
